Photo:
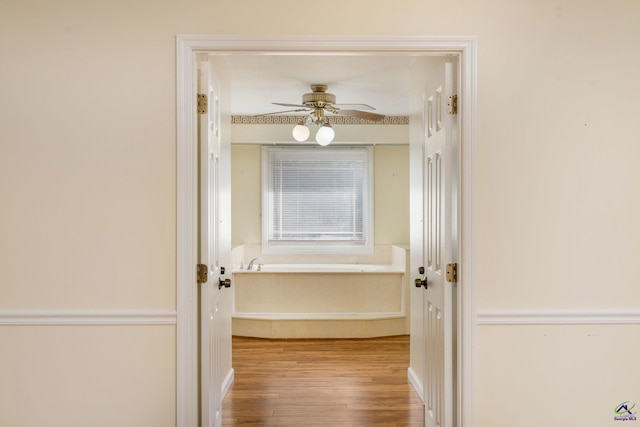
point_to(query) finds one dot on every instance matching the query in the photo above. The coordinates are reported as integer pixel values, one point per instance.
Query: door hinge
(452, 104)
(203, 103)
(452, 273)
(202, 273)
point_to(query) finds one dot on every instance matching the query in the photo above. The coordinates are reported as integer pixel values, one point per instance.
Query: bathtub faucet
(253, 261)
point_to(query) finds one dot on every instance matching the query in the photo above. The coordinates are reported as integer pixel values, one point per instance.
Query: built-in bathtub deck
(325, 268)
(336, 300)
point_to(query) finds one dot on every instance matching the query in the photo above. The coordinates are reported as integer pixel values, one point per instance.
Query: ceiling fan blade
(354, 106)
(362, 114)
(289, 105)
(282, 112)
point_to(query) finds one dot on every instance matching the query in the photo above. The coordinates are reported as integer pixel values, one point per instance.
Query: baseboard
(560, 317)
(228, 381)
(415, 383)
(87, 317)
(274, 327)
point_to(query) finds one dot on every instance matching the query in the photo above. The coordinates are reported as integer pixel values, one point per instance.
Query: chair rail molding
(87, 317)
(614, 316)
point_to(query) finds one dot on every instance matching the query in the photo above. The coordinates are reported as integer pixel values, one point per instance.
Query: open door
(215, 333)
(440, 250)
(438, 264)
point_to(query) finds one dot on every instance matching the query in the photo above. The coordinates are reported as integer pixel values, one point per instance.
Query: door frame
(188, 47)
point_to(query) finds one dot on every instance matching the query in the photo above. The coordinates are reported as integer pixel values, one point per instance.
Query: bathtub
(323, 300)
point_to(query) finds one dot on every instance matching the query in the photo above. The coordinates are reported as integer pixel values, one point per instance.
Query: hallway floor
(322, 382)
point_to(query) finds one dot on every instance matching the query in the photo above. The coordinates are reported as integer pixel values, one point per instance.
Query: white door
(439, 172)
(214, 333)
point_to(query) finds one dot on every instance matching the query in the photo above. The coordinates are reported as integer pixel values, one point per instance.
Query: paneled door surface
(210, 318)
(440, 249)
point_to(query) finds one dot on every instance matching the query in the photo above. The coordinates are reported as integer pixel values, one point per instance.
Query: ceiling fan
(315, 104)
(319, 101)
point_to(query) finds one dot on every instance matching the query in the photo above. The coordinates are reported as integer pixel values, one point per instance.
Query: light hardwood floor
(328, 382)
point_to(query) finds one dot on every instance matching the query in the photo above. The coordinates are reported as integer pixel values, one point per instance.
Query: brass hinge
(452, 273)
(202, 273)
(452, 104)
(203, 103)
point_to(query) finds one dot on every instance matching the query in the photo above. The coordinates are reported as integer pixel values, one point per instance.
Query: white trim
(226, 384)
(272, 245)
(467, 284)
(187, 48)
(619, 316)
(88, 318)
(187, 239)
(416, 383)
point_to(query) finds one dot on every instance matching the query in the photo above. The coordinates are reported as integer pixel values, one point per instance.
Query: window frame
(318, 246)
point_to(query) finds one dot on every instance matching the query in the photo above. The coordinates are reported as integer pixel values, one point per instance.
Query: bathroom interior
(314, 295)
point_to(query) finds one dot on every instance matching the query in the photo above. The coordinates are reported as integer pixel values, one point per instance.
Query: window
(317, 200)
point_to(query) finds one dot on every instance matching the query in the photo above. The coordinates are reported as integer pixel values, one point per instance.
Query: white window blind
(317, 199)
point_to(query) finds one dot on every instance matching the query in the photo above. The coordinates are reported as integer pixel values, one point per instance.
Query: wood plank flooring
(319, 383)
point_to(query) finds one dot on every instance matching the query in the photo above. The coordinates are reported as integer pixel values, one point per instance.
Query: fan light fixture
(301, 132)
(315, 104)
(324, 135)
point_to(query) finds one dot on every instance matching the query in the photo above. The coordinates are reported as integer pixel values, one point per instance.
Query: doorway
(188, 47)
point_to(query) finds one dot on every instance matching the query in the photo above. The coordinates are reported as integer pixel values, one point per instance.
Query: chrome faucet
(258, 260)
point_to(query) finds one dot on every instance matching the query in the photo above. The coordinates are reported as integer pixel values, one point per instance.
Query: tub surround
(381, 255)
(321, 296)
(324, 268)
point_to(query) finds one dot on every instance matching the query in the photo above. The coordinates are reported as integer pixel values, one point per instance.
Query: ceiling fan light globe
(325, 135)
(300, 133)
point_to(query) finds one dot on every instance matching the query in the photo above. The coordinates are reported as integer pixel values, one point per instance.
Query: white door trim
(188, 47)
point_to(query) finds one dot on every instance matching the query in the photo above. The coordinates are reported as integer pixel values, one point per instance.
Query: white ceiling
(259, 80)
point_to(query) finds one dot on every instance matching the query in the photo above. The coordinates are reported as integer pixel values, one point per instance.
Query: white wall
(87, 180)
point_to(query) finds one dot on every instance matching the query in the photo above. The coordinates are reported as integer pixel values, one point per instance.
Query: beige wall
(88, 199)
(78, 376)
(572, 375)
(391, 198)
(246, 194)
(391, 194)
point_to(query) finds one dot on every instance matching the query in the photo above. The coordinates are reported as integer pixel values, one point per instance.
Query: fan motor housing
(319, 96)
